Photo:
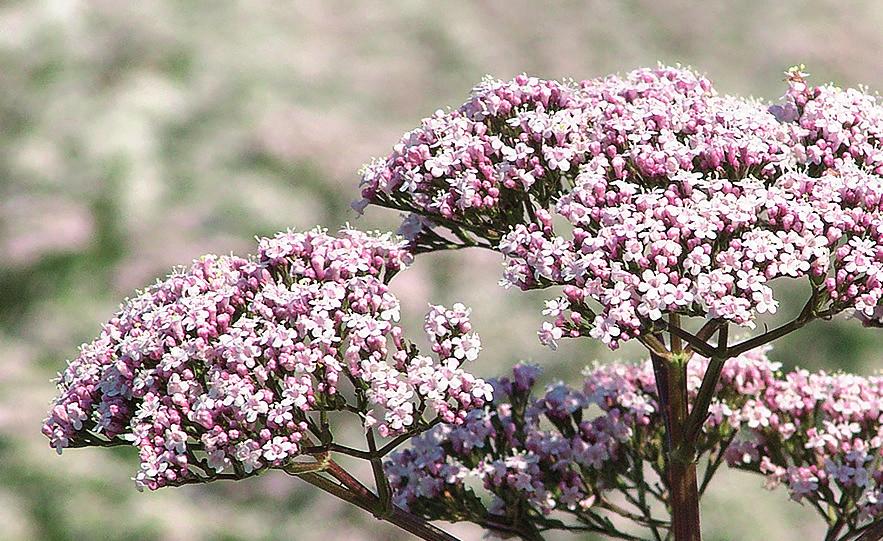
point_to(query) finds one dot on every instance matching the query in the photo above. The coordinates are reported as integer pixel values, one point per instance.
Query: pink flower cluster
(833, 124)
(464, 162)
(543, 452)
(221, 368)
(819, 434)
(650, 194)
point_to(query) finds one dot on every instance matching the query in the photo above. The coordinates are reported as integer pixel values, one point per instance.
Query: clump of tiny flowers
(221, 370)
(820, 435)
(651, 194)
(470, 161)
(832, 125)
(571, 450)
(566, 451)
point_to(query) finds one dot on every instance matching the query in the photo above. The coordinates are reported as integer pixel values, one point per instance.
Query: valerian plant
(654, 202)
(662, 211)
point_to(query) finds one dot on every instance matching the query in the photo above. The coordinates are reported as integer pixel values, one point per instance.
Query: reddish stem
(671, 383)
(353, 491)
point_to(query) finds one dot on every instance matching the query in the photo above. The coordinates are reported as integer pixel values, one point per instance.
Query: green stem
(380, 481)
(642, 498)
(713, 465)
(706, 392)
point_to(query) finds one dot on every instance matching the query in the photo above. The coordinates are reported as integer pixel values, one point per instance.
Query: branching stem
(358, 495)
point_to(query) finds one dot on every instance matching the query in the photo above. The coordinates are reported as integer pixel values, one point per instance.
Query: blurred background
(137, 136)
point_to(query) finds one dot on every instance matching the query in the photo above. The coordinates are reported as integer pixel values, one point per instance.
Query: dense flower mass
(220, 368)
(468, 161)
(565, 449)
(833, 124)
(651, 194)
(821, 436)
(572, 450)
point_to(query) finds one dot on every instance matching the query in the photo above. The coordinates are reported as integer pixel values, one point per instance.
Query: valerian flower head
(820, 435)
(222, 367)
(651, 194)
(573, 452)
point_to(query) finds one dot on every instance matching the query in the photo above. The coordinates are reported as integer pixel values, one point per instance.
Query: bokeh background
(135, 136)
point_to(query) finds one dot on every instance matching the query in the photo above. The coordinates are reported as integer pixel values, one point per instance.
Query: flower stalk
(358, 495)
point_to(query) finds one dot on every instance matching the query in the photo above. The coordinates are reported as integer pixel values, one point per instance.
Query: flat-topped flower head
(222, 369)
(650, 194)
(469, 162)
(819, 435)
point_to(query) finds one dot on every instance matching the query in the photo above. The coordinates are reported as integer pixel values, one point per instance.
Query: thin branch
(723, 340)
(644, 520)
(641, 503)
(402, 519)
(337, 448)
(602, 524)
(674, 320)
(707, 388)
(714, 465)
(484, 231)
(807, 315)
(835, 529)
(335, 489)
(368, 455)
(347, 480)
(707, 331)
(694, 341)
(398, 440)
(384, 492)
(869, 532)
(493, 525)
(655, 346)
